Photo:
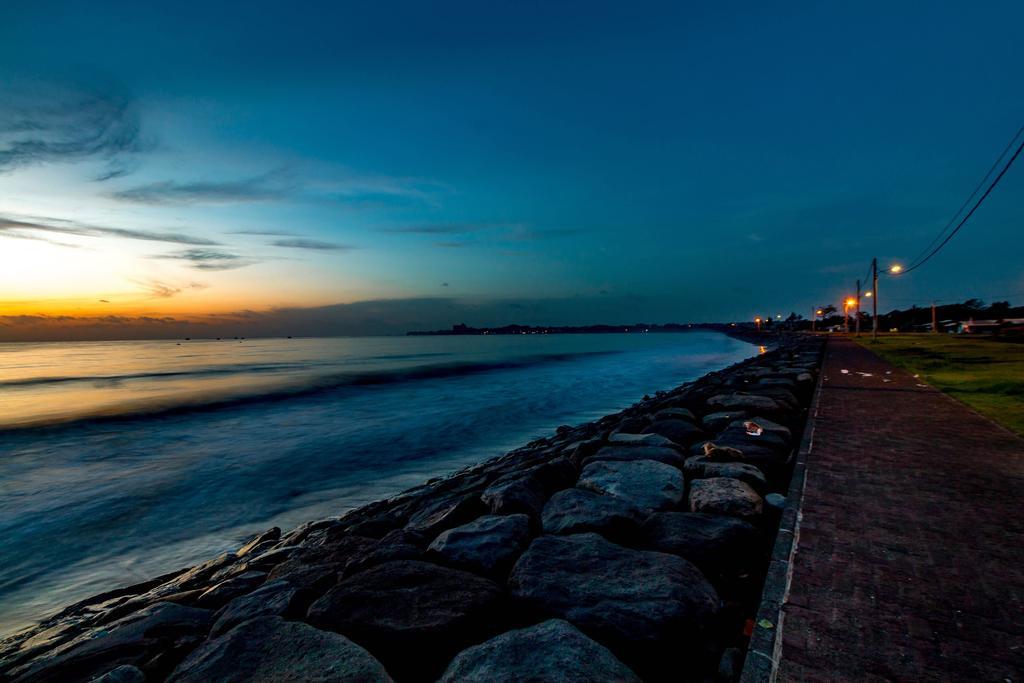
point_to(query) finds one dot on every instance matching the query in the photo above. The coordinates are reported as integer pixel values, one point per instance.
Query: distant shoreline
(637, 328)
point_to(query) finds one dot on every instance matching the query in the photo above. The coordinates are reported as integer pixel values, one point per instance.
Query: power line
(967, 201)
(974, 208)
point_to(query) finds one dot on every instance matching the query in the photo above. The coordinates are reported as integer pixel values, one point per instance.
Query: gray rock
(399, 544)
(622, 439)
(776, 501)
(133, 639)
(271, 649)
(669, 456)
(487, 545)
(577, 510)
(723, 496)
(643, 605)
(715, 543)
(522, 495)
(682, 432)
(648, 484)
(269, 536)
(675, 414)
(780, 395)
(555, 475)
(702, 467)
(769, 427)
(122, 674)
(230, 589)
(414, 616)
(777, 382)
(737, 435)
(445, 513)
(752, 403)
(272, 599)
(632, 425)
(554, 650)
(716, 422)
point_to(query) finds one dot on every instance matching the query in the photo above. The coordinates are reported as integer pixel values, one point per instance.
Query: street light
(846, 313)
(896, 269)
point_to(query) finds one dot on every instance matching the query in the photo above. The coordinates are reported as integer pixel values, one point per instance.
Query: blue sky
(497, 162)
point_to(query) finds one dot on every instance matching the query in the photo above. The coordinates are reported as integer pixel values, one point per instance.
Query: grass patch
(986, 373)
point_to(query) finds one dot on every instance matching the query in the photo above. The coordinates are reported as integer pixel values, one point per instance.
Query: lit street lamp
(895, 269)
(849, 303)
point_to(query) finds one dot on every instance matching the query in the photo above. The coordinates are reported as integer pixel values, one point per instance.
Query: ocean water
(123, 460)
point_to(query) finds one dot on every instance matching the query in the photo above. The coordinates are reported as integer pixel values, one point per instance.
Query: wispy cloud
(164, 290)
(29, 227)
(450, 228)
(481, 234)
(263, 233)
(208, 259)
(54, 125)
(316, 245)
(267, 187)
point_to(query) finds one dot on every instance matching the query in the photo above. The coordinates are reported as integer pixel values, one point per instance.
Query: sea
(120, 461)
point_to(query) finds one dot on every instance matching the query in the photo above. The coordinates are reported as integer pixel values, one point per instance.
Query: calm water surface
(123, 460)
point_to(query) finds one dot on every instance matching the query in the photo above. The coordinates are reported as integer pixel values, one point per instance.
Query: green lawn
(986, 373)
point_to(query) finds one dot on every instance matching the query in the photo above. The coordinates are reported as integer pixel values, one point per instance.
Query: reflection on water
(313, 427)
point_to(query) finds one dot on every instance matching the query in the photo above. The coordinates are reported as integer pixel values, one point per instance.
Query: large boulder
(554, 650)
(273, 599)
(414, 616)
(522, 494)
(682, 432)
(487, 545)
(669, 456)
(703, 467)
(747, 433)
(271, 649)
(716, 422)
(645, 606)
(622, 439)
(767, 427)
(724, 496)
(445, 513)
(135, 639)
(675, 414)
(716, 543)
(577, 510)
(126, 673)
(648, 484)
(751, 403)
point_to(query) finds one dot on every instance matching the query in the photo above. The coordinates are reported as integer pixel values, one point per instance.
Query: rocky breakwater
(630, 548)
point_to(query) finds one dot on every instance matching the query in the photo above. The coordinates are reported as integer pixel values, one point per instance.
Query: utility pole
(858, 308)
(814, 319)
(874, 298)
(846, 317)
(935, 320)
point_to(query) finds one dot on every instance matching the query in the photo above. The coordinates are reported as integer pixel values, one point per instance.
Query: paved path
(910, 559)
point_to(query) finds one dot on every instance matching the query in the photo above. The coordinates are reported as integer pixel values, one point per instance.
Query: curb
(765, 646)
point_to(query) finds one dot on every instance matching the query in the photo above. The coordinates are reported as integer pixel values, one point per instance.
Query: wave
(222, 371)
(204, 399)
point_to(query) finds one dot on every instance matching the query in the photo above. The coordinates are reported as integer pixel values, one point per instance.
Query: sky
(207, 168)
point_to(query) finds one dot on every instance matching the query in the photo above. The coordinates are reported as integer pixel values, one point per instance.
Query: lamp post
(847, 305)
(895, 269)
(857, 321)
(874, 299)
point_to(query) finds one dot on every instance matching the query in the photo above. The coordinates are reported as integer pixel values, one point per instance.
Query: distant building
(973, 326)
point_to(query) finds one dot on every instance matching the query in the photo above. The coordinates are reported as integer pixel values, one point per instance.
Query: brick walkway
(910, 559)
